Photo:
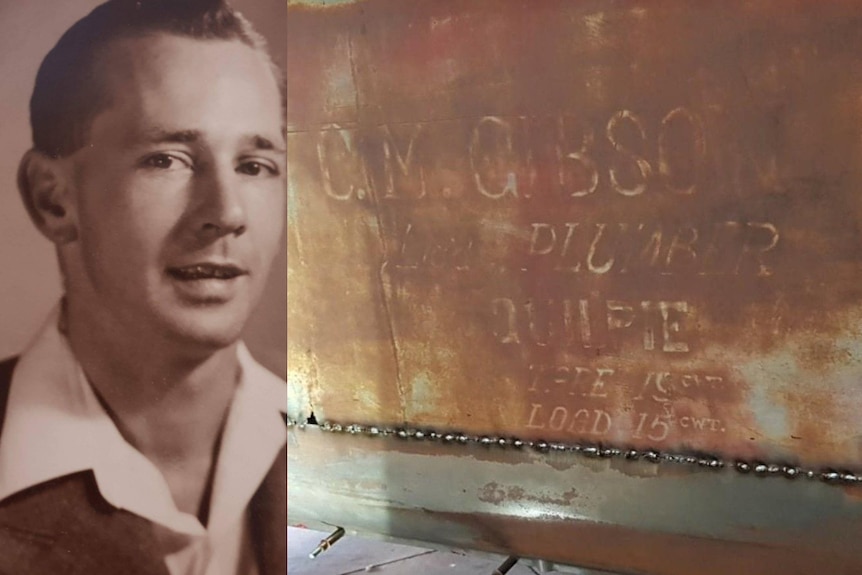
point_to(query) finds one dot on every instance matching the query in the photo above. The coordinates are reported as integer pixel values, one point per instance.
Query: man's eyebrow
(262, 143)
(159, 135)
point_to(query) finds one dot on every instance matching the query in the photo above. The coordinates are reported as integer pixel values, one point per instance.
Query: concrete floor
(357, 555)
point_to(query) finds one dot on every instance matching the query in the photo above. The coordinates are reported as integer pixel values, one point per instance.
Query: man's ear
(44, 187)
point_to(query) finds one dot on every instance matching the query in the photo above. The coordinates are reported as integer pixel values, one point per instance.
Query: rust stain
(629, 223)
(497, 494)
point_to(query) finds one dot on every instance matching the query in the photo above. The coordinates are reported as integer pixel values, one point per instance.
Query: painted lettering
(722, 248)
(504, 308)
(620, 315)
(419, 249)
(591, 265)
(539, 336)
(602, 422)
(597, 388)
(664, 386)
(761, 238)
(396, 163)
(574, 164)
(671, 314)
(657, 429)
(582, 321)
(578, 422)
(567, 322)
(516, 157)
(558, 418)
(543, 239)
(492, 158)
(683, 241)
(655, 380)
(643, 167)
(536, 408)
(584, 382)
(342, 170)
(676, 121)
(701, 424)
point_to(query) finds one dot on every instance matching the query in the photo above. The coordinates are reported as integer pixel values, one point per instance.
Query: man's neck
(170, 406)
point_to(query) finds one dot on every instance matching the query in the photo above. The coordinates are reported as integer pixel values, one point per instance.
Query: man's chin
(206, 329)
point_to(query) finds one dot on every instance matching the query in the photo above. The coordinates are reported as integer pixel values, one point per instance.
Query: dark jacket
(65, 527)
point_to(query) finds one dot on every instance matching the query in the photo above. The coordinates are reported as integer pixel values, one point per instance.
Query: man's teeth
(205, 272)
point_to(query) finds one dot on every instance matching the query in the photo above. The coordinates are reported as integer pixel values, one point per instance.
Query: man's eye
(255, 169)
(164, 162)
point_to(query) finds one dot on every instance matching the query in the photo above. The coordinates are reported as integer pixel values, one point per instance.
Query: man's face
(179, 193)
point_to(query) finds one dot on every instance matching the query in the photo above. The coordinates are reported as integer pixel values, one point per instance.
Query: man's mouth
(206, 271)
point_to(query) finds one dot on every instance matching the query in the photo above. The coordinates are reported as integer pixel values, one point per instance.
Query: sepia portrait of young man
(139, 434)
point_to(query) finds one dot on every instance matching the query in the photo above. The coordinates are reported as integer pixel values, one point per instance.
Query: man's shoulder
(7, 366)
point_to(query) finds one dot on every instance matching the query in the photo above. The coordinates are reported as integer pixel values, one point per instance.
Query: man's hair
(69, 91)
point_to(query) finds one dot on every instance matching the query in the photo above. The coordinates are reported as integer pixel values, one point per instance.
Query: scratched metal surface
(630, 223)
(598, 514)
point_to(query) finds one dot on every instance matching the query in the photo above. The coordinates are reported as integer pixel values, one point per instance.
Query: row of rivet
(758, 468)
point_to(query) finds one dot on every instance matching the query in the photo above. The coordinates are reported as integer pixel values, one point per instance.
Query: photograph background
(29, 280)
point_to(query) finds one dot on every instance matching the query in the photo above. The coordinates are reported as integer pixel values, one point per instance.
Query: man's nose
(220, 209)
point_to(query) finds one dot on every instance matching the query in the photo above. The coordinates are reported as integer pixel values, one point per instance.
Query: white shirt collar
(56, 426)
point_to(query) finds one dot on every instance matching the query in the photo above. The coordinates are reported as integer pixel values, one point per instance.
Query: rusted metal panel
(634, 224)
(503, 213)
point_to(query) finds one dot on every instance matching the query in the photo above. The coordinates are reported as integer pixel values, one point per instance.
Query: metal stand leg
(506, 566)
(327, 543)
